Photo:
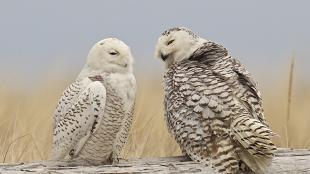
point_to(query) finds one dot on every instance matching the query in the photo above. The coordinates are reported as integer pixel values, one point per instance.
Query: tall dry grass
(26, 120)
(289, 101)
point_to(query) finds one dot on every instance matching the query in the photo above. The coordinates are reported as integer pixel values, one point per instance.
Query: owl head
(110, 55)
(177, 44)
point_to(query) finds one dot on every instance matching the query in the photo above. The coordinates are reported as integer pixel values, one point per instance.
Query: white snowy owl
(94, 114)
(212, 105)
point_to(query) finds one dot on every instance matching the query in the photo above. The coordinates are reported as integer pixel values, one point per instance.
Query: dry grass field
(26, 120)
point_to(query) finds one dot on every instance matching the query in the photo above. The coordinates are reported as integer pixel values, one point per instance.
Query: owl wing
(197, 117)
(122, 135)
(78, 119)
(202, 108)
(251, 98)
(248, 125)
(65, 102)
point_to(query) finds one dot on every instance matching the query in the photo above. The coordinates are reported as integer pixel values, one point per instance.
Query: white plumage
(212, 105)
(94, 114)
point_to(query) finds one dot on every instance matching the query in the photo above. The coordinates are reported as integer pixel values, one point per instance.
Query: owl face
(176, 44)
(111, 55)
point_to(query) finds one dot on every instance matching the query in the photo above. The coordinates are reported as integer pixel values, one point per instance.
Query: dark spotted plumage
(94, 114)
(167, 32)
(91, 123)
(112, 133)
(214, 110)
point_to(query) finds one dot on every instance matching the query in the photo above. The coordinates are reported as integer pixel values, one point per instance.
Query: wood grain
(286, 161)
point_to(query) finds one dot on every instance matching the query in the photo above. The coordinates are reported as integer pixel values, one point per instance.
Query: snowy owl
(94, 114)
(212, 104)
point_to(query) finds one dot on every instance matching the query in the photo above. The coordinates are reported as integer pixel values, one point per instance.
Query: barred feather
(214, 111)
(94, 115)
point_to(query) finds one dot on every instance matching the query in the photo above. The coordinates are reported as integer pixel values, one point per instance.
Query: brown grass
(26, 120)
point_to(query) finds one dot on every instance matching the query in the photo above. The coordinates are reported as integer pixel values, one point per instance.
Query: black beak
(164, 57)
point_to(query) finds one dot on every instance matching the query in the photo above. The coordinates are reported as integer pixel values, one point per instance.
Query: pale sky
(38, 37)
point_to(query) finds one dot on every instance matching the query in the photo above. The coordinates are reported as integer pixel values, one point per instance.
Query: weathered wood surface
(286, 161)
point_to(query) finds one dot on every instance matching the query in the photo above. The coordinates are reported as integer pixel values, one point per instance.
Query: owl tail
(258, 149)
(256, 164)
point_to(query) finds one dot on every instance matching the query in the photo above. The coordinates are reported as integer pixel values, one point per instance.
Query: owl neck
(209, 52)
(185, 53)
(88, 71)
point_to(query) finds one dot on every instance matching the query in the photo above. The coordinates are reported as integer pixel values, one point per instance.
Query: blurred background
(44, 44)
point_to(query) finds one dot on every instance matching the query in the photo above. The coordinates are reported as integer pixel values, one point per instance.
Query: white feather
(66, 140)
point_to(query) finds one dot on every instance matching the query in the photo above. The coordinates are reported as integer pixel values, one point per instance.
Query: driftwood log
(286, 161)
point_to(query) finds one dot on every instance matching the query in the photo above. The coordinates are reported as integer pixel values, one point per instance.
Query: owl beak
(164, 57)
(123, 64)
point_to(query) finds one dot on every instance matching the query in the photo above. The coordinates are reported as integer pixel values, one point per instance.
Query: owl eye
(170, 42)
(113, 53)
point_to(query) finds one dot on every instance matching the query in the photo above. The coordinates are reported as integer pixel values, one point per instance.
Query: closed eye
(113, 52)
(170, 42)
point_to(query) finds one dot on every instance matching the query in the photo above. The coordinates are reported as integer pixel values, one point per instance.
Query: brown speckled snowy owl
(94, 114)
(212, 104)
